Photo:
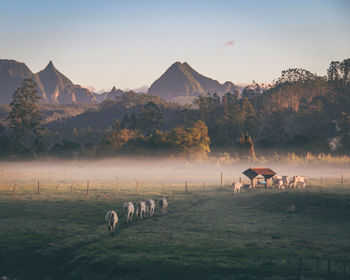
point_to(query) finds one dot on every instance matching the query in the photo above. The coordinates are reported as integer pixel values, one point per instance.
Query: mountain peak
(176, 65)
(181, 66)
(114, 93)
(180, 79)
(50, 66)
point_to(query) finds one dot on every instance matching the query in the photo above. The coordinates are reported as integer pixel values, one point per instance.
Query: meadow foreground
(206, 234)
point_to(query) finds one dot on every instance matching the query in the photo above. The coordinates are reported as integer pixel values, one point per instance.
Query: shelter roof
(253, 172)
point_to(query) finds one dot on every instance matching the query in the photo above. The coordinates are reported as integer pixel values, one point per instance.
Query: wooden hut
(251, 173)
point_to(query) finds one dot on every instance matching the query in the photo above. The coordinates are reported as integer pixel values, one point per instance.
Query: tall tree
(190, 140)
(24, 117)
(247, 144)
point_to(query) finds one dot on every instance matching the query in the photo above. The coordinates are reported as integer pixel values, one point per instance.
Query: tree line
(299, 110)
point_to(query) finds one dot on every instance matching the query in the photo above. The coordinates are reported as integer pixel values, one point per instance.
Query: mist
(151, 171)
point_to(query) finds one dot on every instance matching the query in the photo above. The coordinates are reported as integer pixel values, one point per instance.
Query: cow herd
(141, 209)
(278, 182)
(283, 182)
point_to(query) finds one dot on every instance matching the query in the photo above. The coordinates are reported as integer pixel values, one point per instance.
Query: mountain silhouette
(180, 79)
(53, 86)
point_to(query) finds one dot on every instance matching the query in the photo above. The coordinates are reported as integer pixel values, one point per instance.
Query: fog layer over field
(155, 171)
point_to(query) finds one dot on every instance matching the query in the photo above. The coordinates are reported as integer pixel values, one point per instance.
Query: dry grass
(292, 158)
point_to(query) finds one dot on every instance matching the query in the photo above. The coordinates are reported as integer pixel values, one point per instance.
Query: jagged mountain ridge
(58, 88)
(180, 79)
(53, 86)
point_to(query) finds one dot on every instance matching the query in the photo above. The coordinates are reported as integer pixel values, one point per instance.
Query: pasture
(208, 233)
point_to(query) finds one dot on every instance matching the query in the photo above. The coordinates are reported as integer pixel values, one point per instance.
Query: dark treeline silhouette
(299, 111)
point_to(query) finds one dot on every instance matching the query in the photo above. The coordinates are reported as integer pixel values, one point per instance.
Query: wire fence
(66, 187)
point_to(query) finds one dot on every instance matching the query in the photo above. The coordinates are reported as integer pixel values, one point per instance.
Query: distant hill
(111, 95)
(53, 86)
(53, 111)
(180, 79)
(97, 119)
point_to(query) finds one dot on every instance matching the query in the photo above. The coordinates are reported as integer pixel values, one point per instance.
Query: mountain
(180, 79)
(113, 94)
(12, 74)
(59, 89)
(53, 86)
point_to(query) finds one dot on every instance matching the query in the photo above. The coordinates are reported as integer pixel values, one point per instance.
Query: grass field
(206, 234)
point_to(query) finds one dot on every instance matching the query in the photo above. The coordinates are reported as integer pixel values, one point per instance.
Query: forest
(300, 112)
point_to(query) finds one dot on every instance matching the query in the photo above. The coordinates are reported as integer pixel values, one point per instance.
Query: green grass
(206, 234)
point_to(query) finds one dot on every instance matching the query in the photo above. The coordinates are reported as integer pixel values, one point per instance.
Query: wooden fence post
(38, 187)
(14, 187)
(137, 186)
(186, 186)
(342, 180)
(321, 181)
(222, 175)
(87, 187)
(71, 187)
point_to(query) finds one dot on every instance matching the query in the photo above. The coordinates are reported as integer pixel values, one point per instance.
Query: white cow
(128, 211)
(298, 181)
(276, 181)
(150, 205)
(163, 204)
(111, 219)
(140, 209)
(236, 186)
(285, 181)
(279, 183)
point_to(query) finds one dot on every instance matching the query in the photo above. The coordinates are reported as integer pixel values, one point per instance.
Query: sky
(129, 44)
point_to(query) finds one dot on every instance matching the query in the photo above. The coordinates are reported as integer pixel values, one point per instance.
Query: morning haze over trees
(183, 114)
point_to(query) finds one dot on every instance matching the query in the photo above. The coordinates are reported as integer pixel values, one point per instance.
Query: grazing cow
(140, 209)
(276, 181)
(163, 204)
(236, 186)
(298, 181)
(111, 219)
(285, 181)
(150, 205)
(279, 184)
(128, 211)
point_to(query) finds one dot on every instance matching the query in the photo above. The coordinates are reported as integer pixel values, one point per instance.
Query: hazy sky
(131, 43)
